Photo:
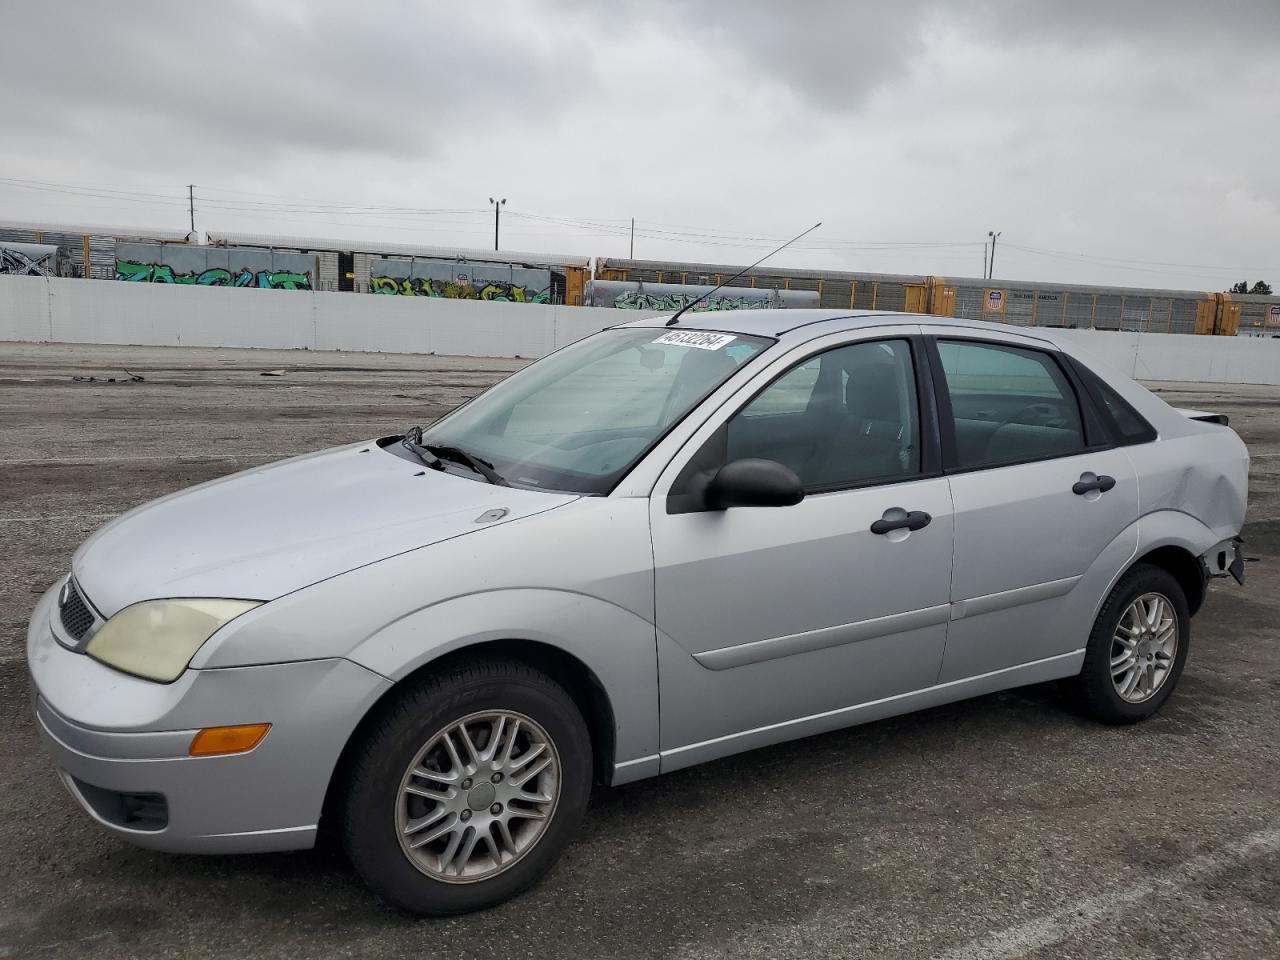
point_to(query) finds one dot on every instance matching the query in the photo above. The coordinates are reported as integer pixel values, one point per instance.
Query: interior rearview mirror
(754, 483)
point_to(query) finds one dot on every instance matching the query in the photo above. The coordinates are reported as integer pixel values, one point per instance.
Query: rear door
(1045, 505)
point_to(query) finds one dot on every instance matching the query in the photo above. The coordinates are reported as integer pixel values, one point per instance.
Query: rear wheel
(1137, 649)
(466, 788)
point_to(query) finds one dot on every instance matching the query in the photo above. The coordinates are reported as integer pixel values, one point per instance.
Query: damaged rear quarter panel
(1203, 473)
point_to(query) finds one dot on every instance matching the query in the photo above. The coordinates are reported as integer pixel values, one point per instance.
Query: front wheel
(1137, 649)
(466, 788)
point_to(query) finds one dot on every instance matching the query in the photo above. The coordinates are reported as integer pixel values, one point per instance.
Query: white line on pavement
(67, 516)
(33, 461)
(1111, 904)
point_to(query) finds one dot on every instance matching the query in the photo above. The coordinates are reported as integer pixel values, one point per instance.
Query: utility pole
(632, 254)
(497, 209)
(191, 204)
(991, 268)
(985, 245)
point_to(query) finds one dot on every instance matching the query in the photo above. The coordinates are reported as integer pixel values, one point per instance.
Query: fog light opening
(218, 741)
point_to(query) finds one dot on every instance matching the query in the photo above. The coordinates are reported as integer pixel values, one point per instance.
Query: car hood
(260, 534)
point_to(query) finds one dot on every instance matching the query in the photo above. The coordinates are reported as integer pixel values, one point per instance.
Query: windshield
(579, 419)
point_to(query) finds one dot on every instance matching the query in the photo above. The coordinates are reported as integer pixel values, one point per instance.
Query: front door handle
(1089, 482)
(895, 518)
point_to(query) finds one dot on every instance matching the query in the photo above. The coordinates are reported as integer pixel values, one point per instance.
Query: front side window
(580, 418)
(1009, 404)
(789, 394)
(842, 418)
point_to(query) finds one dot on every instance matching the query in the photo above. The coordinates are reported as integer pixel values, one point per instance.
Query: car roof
(780, 322)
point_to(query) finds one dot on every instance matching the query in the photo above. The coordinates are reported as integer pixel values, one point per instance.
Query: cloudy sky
(1133, 143)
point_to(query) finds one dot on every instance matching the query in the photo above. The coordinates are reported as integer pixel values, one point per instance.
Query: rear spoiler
(1218, 418)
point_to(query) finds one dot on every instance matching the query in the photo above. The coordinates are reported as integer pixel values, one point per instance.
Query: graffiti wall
(213, 266)
(638, 295)
(28, 259)
(459, 280)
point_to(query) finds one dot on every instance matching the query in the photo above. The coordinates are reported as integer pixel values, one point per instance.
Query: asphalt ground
(1003, 826)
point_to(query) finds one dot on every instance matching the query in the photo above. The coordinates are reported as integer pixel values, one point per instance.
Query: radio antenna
(740, 273)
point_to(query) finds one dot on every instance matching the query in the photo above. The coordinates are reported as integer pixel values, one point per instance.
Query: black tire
(392, 740)
(1093, 690)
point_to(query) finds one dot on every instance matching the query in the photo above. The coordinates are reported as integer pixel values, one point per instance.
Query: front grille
(76, 616)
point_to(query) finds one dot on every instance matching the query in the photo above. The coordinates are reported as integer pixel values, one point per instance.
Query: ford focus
(660, 545)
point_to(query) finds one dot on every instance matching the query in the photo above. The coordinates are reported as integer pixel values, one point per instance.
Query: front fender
(616, 645)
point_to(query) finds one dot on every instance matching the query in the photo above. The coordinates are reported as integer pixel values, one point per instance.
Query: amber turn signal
(214, 741)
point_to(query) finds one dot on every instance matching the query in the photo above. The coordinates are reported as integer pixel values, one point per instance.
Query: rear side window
(1008, 404)
(1127, 425)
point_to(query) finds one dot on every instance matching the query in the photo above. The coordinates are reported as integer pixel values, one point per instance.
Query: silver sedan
(661, 545)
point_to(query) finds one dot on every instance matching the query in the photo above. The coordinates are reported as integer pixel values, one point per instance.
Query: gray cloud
(836, 54)
(1110, 132)
(1133, 23)
(276, 76)
(833, 54)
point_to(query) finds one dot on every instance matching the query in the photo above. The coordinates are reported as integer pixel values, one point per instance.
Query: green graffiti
(215, 277)
(135, 272)
(496, 291)
(635, 300)
(283, 280)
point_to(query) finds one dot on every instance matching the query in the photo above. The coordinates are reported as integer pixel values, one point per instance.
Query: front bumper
(120, 745)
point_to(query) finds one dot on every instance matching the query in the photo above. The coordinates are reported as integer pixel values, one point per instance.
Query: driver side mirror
(754, 483)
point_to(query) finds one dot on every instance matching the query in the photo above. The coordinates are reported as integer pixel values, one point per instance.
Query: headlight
(156, 639)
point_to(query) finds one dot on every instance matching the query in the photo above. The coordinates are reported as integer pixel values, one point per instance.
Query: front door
(774, 621)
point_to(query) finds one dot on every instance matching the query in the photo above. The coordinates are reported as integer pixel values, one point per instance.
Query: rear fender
(1164, 528)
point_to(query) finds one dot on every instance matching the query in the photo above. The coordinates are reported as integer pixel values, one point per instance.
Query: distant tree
(1261, 287)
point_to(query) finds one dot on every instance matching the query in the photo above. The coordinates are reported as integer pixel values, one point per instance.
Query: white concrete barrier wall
(76, 311)
(73, 311)
(1172, 356)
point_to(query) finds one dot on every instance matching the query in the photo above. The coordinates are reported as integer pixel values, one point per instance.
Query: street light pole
(497, 209)
(991, 267)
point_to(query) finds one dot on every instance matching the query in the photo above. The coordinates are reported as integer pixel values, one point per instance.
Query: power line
(450, 219)
(708, 234)
(154, 199)
(84, 188)
(280, 206)
(1128, 264)
(272, 199)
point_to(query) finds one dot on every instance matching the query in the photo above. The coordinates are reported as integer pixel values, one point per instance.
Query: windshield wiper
(433, 455)
(412, 441)
(458, 455)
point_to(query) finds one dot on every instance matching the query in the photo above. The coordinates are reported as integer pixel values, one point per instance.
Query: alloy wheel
(478, 796)
(1144, 647)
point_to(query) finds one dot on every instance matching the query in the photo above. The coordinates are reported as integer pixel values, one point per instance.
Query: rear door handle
(895, 518)
(1089, 482)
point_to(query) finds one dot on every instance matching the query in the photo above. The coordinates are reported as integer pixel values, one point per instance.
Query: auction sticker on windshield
(694, 338)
